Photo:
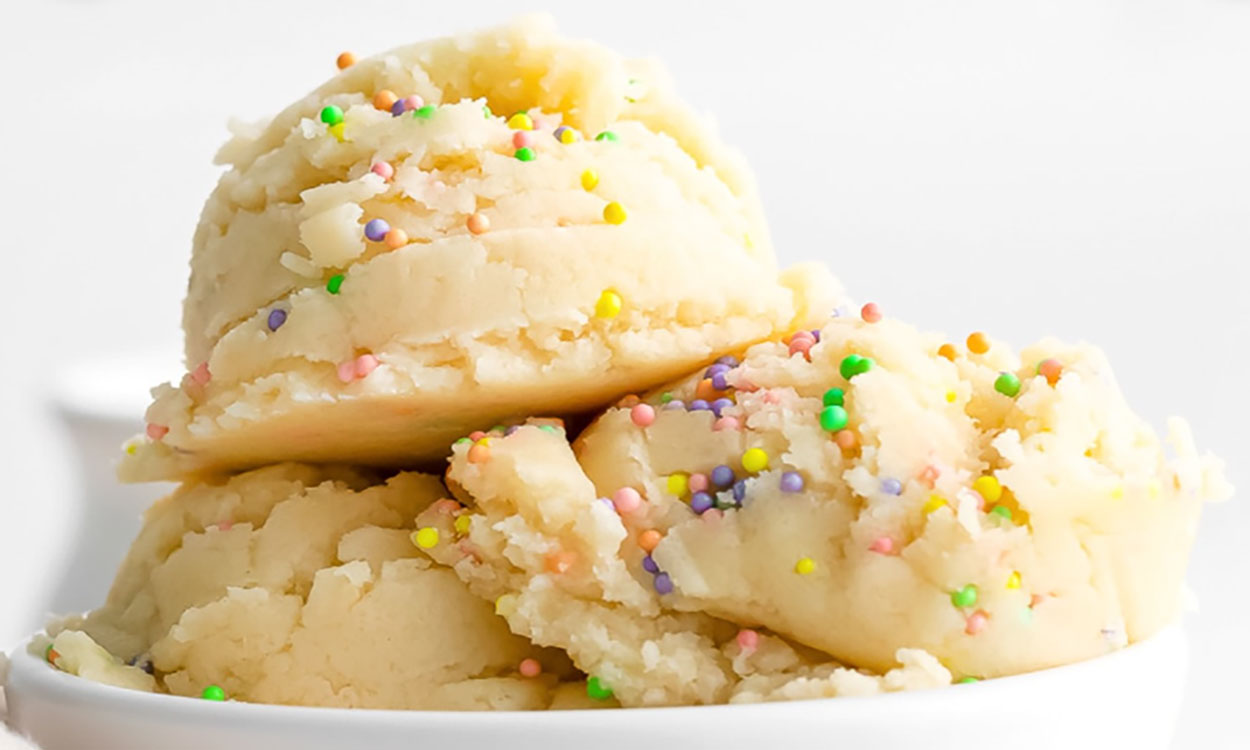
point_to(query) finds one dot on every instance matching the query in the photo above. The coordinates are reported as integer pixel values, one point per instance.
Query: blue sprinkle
(376, 229)
(719, 404)
(728, 359)
(719, 382)
(791, 481)
(675, 404)
(722, 476)
(701, 502)
(663, 583)
(740, 490)
(716, 369)
(699, 405)
(397, 108)
(891, 486)
(649, 565)
(276, 319)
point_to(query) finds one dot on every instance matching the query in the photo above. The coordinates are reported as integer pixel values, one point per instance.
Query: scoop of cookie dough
(302, 585)
(548, 228)
(861, 490)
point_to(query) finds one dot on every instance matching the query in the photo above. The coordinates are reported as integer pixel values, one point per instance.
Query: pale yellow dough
(300, 585)
(468, 329)
(1091, 557)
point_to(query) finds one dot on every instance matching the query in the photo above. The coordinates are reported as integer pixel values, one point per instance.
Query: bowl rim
(34, 677)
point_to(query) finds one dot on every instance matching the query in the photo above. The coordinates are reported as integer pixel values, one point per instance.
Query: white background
(1076, 168)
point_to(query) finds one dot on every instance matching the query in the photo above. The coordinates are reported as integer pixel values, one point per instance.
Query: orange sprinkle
(395, 239)
(977, 343)
(948, 351)
(53, 655)
(649, 540)
(846, 439)
(384, 100)
(929, 474)
(479, 454)
(345, 60)
(629, 401)
(871, 312)
(1050, 369)
(530, 668)
(478, 223)
(559, 562)
(705, 390)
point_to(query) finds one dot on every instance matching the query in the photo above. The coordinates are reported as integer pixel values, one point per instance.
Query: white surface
(1128, 699)
(1078, 167)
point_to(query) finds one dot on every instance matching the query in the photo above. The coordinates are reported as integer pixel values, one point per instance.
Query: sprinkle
(649, 564)
(384, 100)
(336, 130)
(1002, 511)
(748, 640)
(1117, 492)
(719, 382)
(802, 345)
(948, 351)
(976, 622)
(525, 154)
(933, 503)
(642, 415)
(716, 369)
(614, 213)
(413, 102)
(833, 397)
(399, 107)
(791, 481)
(891, 486)
(1007, 384)
(365, 364)
(347, 371)
(870, 312)
(478, 223)
(590, 178)
(462, 523)
(424, 112)
(929, 474)
(663, 583)
(530, 668)
(722, 476)
(396, 238)
(331, 115)
(425, 538)
(520, 121)
(629, 401)
(678, 484)
(705, 390)
(665, 397)
(729, 360)
(989, 488)
(345, 60)
(846, 439)
(560, 561)
(966, 680)
(833, 418)
(505, 605)
(977, 343)
(725, 423)
(607, 135)
(200, 375)
(701, 501)
(597, 690)
(51, 654)
(479, 454)
(853, 365)
(608, 305)
(213, 693)
(964, 597)
(376, 229)
(566, 135)
(719, 405)
(675, 404)
(1051, 369)
(626, 500)
(740, 491)
(523, 139)
(383, 169)
(1013, 580)
(882, 545)
(805, 566)
(698, 482)
(335, 283)
(157, 431)
(755, 460)
(477, 435)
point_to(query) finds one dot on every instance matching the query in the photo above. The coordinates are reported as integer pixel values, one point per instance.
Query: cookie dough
(302, 585)
(545, 228)
(859, 489)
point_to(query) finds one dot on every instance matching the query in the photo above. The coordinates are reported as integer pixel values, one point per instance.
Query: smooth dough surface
(857, 541)
(301, 585)
(307, 340)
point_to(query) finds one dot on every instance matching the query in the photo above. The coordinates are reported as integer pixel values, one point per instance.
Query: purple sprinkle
(276, 319)
(397, 108)
(740, 490)
(719, 382)
(376, 229)
(675, 404)
(699, 405)
(716, 369)
(700, 502)
(816, 334)
(649, 565)
(722, 476)
(728, 359)
(663, 584)
(511, 430)
(720, 405)
(791, 481)
(891, 486)
(608, 503)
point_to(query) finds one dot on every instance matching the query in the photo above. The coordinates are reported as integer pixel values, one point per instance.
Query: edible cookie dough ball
(302, 585)
(861, 489)
(536, 225)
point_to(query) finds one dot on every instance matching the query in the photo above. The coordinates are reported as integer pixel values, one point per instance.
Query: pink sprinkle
(871, 312)
(523, 138)
(712, 514)
(383, 169)
(976, 622)
(201, 375)
(347, 371)
(157, 431)
(626, 500)
(883, 545)
(802, 336)
(748, 640)
(980, 500)
(365, 364)
(476, 435)
(802, 346)
(413, 102)
(725, 423)
(930, 474)
(225, 525)
(642, 414)
(446, 506)
(772, 397)
(530, 668)
(697, 482)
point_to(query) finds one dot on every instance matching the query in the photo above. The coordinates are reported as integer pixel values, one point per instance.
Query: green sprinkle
(548, 428)
(834, 397)
(666, 397)
(965, 597)
(833, 418)
(630, 99)
(1007, 384)
(47, 653)
(1002, 511)
(213, 693)
(423, 113)
(853, 365)
(498, 428)
(525, 153)
(486, 111)
(597, 690)
(331, 115)
(607, 135)
(967, 680)
(462, 441)
(335, 283)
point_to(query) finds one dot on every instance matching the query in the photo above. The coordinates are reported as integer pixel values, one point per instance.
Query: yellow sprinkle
(950, 397)
(590, 178)
(933, 503)
(614, 213)
(520, 121)
(505, 605)
(1013, 581)
(461, 524)
(609, 304)
(678, 485)
(569, 135)
(425, 538)
(337, 132)
(131, 449)
(1155, 488)
(988, 488)
(804, 566)
(1117, 492)
(750, 243)
(755, 460)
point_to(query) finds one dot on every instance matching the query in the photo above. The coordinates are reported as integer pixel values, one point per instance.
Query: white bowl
(1127, 699)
